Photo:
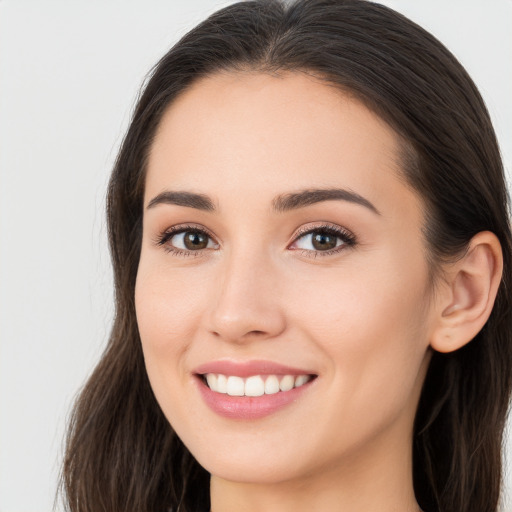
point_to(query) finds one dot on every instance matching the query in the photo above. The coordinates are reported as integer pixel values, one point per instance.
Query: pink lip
(246, 407)
(249, 407)
(248, 368)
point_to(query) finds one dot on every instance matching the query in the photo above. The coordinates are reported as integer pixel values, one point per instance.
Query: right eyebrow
(182, 198)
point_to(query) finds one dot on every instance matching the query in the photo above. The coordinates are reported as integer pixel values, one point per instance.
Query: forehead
(247, 131)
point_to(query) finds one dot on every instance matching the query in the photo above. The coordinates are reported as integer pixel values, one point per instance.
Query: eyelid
(325, 226)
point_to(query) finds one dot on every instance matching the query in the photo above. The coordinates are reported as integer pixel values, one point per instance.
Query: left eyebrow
(280, 204)
(294, 200)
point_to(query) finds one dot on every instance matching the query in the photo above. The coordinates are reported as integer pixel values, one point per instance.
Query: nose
(246, 306)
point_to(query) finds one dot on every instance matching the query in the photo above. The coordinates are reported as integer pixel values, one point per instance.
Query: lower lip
(249, 407)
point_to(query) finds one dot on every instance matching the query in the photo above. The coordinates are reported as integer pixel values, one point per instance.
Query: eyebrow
(280, 204)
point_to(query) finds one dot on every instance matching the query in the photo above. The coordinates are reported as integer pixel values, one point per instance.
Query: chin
(245, 460)
(262, 471)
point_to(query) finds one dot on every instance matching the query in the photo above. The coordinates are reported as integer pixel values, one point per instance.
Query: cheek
(167, 311)
(372, 325)
(167, 306)
(363, 306)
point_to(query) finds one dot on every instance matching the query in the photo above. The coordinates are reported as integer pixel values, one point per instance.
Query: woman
(311, 245)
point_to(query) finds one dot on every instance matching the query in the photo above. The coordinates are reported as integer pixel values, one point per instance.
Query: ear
(468, 294)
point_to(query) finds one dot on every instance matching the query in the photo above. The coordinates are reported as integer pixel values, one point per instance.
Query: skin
(361, 319)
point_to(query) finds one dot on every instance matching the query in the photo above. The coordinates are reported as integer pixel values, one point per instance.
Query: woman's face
(245, 271)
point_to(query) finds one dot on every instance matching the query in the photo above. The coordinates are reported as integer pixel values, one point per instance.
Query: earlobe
(471, 288)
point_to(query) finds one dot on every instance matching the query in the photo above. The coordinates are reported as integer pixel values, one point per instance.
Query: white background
(69, 73)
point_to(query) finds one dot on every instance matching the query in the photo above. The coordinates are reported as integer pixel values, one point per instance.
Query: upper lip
(248, 368)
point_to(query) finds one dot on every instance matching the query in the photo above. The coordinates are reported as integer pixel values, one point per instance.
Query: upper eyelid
(326, 226)
(174, 230)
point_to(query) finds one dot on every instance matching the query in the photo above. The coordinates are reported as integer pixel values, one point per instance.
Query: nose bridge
(247, 304)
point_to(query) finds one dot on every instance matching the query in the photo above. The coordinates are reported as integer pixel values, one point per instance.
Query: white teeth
(301, 380)
(222, 384)
(211, 378)
(256, 385)
(235, 386)
(271, 385)
(287, 383)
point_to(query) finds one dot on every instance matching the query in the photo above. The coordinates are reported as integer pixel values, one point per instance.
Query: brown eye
(186, 240)
(193, 240)
(324, 241)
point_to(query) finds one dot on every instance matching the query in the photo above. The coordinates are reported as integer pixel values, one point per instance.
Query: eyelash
(348, 239)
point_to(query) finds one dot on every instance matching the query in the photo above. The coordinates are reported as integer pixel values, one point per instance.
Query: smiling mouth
(254, 385)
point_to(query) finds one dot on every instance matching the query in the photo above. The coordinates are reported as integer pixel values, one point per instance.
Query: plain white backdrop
(69, 75)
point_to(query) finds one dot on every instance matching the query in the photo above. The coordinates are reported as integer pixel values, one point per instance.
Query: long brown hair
(121, 453)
